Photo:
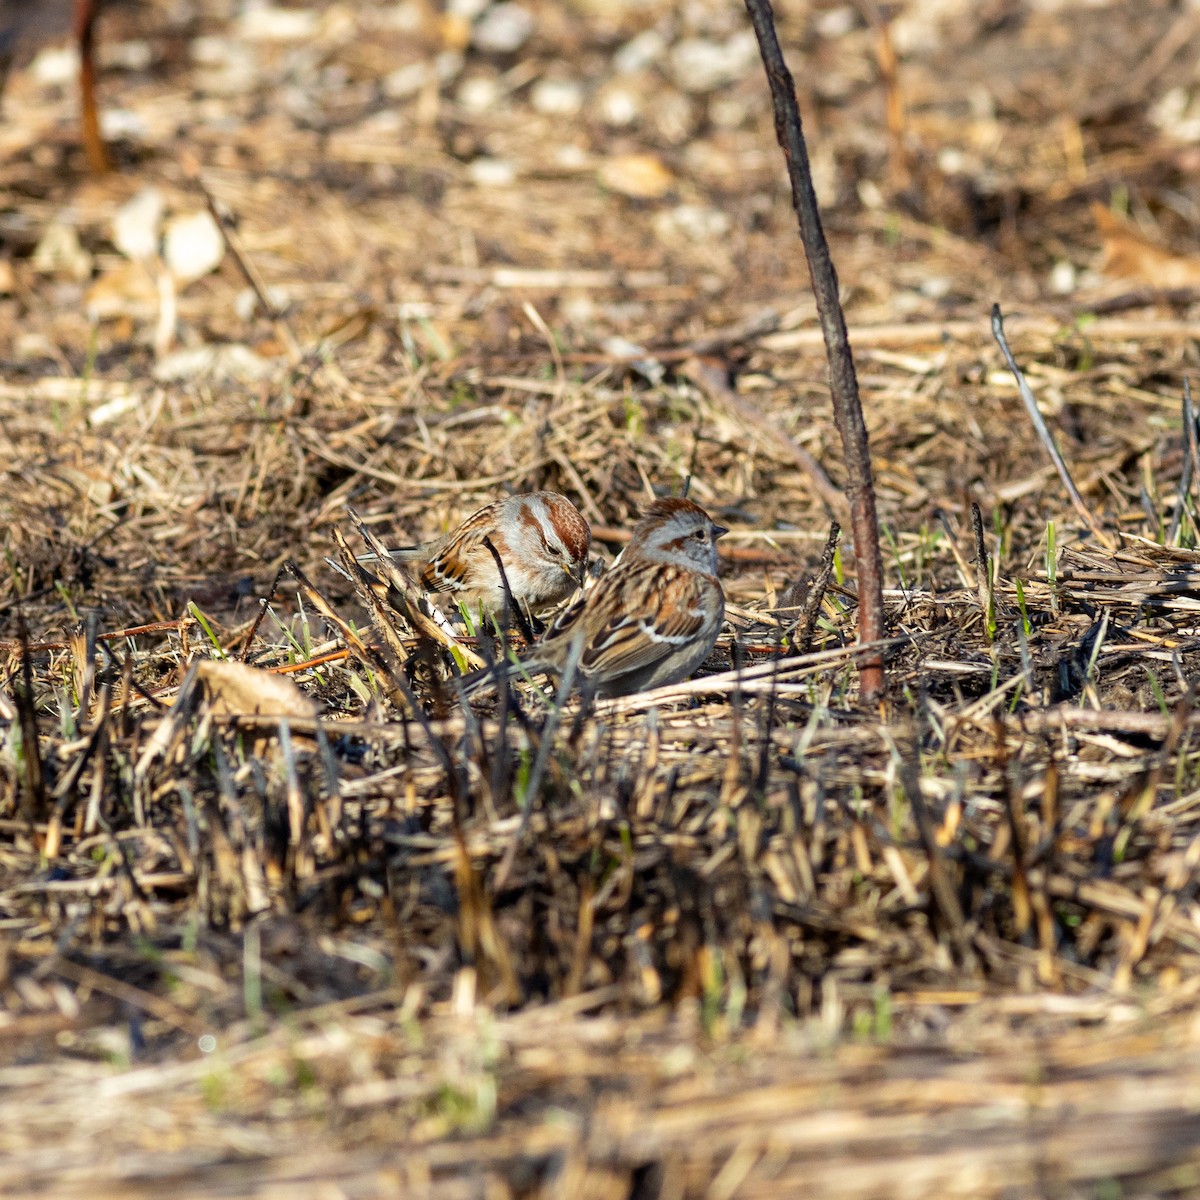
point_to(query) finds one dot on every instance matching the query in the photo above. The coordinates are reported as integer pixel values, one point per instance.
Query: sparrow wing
(464, 563)
(447, 571)
(644, 613)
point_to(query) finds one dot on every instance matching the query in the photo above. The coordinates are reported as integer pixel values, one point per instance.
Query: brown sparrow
(651, 620)
(542, 540)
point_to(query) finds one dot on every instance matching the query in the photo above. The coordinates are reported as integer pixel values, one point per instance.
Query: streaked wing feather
(444, 573)
(629, 641)
(455, 568)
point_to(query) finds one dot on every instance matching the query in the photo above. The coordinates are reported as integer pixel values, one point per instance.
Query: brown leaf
(641, 176)
(238, 689)
(1129, 254)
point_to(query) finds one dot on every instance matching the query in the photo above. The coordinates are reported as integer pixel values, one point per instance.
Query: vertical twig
(34, 798)
(534, 782)
(983, 574)
(843, 384)
(85, 33)
(941, 887)
(806, 625)
(899, 173)
(510, 605)
(1191, 461)
(225, 223)
(1043, 430)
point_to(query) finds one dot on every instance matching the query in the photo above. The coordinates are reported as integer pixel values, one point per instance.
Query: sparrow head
(679, 531)
(556, 533)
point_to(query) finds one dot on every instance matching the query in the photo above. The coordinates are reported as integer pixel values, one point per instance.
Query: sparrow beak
(719, 531)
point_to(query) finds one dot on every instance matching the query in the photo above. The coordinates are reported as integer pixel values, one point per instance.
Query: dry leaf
(1129, 254)
(641, 176)
(126, 291)
(238, 689)
(215, 362)
(59, 253)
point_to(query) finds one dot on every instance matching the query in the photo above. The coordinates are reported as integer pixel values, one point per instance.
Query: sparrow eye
(701, 535)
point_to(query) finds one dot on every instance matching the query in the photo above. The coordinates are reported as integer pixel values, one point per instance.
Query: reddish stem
(843, 383)
(85, 33)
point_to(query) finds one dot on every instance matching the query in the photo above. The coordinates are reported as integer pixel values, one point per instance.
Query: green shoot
(203, 622)
(1025, 625)
(1159, 698)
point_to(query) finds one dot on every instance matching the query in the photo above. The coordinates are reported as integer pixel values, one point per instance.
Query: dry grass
(745, 936)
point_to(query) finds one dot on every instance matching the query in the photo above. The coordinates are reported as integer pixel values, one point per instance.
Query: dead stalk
(843, 383)
(1043, 431)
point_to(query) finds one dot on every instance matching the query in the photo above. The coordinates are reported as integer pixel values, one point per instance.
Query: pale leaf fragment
(128, 290)
(59, 252)
(137, 224)
(193, 246)
(641, 176)
(213, 362)
(238, 689)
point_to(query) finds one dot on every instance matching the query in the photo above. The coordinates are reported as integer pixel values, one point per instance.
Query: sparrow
(651, 620)
(541, 538)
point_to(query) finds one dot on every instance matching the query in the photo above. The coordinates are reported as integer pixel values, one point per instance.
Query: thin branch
(983, 573)
(809, 594)
(1043, 430)
(843, 383)
(85, 33)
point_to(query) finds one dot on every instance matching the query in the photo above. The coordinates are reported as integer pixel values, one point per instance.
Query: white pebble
(468, 10)
(122, 124)
(56, 66)
(1063, 277)
(265, 22)
(700, 65)
(478, 94)
(835, 23)
(492, 172)
(503, 29)
(405, 81)
(619, 107)
(640, 52)
(556, 97)
(695, 222)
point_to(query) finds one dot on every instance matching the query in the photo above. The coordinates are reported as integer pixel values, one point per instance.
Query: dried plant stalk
(843, 383)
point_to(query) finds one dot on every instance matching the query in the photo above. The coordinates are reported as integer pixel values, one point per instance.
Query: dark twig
(983, 574)
(1191, 460)
(263, 604)
(1043, 430)
(843, 384)
(942, 889)
(34, 804)
(806, 624)
(394, 586)
(510, 605)
(225, 223)
(545, 741)
(712, 377)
